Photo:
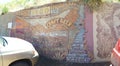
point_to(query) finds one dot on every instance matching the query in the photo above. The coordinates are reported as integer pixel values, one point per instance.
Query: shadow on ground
(43, 61)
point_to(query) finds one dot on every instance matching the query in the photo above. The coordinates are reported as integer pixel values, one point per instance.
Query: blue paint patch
(77, 53)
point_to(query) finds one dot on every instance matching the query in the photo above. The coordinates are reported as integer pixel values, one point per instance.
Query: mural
(68, 31)
(107, 31)
(58, 31)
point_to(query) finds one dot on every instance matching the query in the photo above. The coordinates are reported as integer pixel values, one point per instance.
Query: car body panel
(115, 58)
(1, 61)
(0, 58)
(34, 58)
(17, 49)
(115, 55)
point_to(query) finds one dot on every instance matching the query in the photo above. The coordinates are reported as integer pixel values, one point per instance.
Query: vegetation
(20, 4)
(14, 4)
(4, 10)
(94, 4)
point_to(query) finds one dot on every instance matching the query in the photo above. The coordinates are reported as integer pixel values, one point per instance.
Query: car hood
(16, 44)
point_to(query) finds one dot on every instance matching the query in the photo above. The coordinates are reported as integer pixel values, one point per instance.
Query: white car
(17, 52)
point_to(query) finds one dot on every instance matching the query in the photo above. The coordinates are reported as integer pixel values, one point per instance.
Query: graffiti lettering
(41, 11)
(59, 20)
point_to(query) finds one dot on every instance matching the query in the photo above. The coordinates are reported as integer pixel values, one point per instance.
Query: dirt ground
(48, 62)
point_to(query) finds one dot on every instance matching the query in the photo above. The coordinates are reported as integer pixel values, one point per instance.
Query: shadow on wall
(43, 61)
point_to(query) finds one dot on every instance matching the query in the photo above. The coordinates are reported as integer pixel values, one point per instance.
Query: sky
(4, 1)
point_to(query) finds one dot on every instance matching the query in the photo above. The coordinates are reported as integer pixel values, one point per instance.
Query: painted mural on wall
(107, 29)
(67, 31)
(57, 30)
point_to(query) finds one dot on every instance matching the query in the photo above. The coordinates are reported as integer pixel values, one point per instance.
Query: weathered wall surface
(70, 32)
(4, 20)
(106, 30)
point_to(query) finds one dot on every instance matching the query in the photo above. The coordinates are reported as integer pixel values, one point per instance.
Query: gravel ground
(48, 62)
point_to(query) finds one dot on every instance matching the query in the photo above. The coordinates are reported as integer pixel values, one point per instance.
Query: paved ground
(48, 62)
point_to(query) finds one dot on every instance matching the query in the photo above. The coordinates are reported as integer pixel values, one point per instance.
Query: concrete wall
(68, 31)
(4, 20)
